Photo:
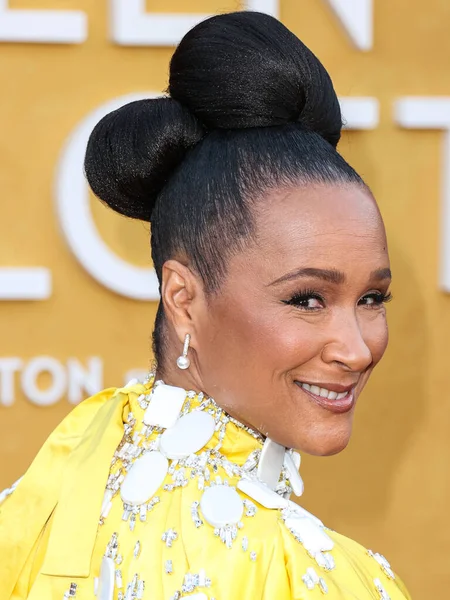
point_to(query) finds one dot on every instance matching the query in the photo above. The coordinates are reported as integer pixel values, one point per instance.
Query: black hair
(249, 109)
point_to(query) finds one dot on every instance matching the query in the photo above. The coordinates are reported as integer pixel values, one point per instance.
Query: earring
(183, 361)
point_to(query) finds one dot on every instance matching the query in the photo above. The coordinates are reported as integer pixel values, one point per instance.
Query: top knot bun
(246, 69)
(232, 71)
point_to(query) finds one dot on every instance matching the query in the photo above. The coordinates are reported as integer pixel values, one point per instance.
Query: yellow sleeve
(26, 509)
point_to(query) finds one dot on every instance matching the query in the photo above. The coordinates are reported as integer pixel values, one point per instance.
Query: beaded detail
(228, 493)
(8, 491)
(71, 592)
(380, 589)
(384, 564)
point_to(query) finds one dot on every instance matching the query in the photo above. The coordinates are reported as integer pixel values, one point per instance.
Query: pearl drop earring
(183, 361)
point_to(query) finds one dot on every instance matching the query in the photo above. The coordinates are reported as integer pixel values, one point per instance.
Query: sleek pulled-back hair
(250, 109)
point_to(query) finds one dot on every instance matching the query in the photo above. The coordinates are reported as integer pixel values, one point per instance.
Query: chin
(321, 439)
(325, 448)
(326, 443)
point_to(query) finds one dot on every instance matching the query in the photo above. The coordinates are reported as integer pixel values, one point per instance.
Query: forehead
(328, 222)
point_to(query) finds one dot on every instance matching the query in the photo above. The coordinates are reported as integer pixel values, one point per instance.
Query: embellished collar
(162, 405)
(186, 422)
(168, 431)
(173, 438)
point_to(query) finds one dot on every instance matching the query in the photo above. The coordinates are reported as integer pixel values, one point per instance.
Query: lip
(341, 406)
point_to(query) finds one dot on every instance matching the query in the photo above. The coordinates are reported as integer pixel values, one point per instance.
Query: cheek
(376, 336)
(268, 339)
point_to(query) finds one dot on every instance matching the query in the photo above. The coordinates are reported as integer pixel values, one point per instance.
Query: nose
(347, 346)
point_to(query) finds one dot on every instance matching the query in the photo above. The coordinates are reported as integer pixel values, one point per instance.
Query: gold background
(390, 490)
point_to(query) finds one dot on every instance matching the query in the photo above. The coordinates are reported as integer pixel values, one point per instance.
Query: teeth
(324, 393)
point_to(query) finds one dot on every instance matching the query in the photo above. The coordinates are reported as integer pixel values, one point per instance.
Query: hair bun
(132, 152)
(246, 69)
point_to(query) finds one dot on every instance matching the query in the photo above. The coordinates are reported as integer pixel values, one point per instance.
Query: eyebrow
(329, 275)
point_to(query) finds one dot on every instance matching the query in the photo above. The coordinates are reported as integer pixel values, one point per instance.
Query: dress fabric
(62, 536)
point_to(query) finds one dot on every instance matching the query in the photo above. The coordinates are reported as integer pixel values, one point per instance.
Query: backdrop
(68, 328)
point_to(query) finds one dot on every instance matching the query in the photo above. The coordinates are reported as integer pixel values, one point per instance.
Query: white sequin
(166, 402)
(189, 434)
(262, 493)
(294, 476)
(270, 463)
(312, 537)
(297, 510)
(106, 580)
(144, 478)
(221, 505)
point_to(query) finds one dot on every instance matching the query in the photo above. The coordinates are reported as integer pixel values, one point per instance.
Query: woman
(274, 270)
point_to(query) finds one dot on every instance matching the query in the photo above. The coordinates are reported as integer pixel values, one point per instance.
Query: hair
(249, 109)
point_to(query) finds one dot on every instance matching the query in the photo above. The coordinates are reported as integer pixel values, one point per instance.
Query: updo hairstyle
(249, 109)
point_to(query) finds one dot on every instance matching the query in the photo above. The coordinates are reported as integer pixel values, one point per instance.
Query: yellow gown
(63, 536)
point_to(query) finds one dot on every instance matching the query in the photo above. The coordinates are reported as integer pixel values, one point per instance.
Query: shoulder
(370, 565)
(64, 437)
(319, 559)
(34, 497)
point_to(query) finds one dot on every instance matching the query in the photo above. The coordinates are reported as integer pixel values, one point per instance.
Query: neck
(186, 379)
(167, 369)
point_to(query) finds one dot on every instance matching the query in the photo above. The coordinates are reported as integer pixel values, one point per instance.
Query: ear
(182, 295)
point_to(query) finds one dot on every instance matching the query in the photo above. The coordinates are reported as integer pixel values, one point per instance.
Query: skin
(248, 347)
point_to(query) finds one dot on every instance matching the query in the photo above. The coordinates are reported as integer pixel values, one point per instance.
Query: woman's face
(300, 316)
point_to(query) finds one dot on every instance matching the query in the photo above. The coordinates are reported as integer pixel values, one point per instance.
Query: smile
(323, 392)
(339, 400)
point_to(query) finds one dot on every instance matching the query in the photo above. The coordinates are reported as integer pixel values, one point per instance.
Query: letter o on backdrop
(77, 223)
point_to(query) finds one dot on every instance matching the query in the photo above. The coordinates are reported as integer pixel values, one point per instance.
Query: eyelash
(378, 299)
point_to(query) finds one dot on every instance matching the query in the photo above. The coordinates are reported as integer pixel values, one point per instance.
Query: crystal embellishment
(137, 549)
(9, 491)
(106, 579)
(119, 580)
(311, 580)
(195, 515)
(169, 537)
(71, 592)
(308, 582)
(325, 560)
(380, 589)
(227, 534)
(384, 564)
(192, 581)
(323, 586)
(168, 567)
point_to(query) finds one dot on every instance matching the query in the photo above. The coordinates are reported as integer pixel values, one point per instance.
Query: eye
(375, 299)
(307, 300)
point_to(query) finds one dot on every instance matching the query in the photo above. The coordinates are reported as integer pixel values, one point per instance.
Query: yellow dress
(63, 536)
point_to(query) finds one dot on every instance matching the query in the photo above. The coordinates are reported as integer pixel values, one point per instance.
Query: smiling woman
(273, 265)
(320, 323)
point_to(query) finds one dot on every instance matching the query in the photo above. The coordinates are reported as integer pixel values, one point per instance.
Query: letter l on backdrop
(133, 26)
